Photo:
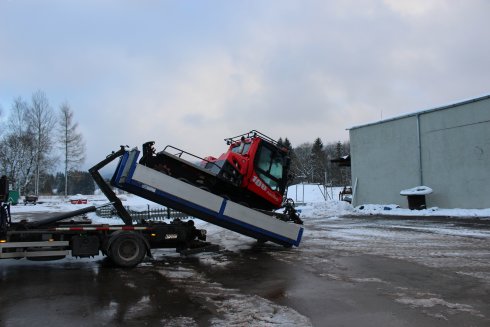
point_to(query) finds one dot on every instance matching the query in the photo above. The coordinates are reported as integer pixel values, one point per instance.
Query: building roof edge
(460, 103)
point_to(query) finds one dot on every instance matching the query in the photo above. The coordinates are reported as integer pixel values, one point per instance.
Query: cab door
(270, 173)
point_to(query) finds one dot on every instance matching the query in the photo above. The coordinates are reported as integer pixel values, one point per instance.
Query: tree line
(311, 162)
(34, 139)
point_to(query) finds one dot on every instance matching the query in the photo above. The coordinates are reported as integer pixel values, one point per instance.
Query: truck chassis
(128, 244)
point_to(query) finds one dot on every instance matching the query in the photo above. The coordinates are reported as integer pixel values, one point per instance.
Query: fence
(153, 214)
(310, 192)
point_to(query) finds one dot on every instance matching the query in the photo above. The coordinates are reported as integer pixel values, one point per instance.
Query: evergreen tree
(47, 184)
(337, 176)
(59, 183)
(318, 159)
(292, 173)
(339, 149)
(345, 172)
(287, 144)
(81, 183)
(310, 163)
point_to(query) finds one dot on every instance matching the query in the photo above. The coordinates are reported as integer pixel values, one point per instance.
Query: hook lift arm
(106, 189)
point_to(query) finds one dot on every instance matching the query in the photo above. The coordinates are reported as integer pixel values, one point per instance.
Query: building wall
(384, 160)
(453, 158)
(456, 155)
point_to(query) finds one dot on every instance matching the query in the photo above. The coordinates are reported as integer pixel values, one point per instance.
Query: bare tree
(17, 151)
(17, 122)
(302, 164)
(71, 142)
(17, 159)
(42, 122)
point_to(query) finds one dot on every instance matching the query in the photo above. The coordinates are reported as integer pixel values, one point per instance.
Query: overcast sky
(190, 73)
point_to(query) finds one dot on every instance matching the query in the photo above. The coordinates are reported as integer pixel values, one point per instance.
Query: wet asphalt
(342, 275)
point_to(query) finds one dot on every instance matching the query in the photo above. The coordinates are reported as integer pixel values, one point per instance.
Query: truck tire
(127, 250)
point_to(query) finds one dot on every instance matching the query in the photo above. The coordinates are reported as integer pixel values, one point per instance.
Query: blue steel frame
(217, 218)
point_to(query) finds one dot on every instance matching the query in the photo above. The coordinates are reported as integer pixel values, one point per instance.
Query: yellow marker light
(51, 240)
(3, 241)
(153, 234)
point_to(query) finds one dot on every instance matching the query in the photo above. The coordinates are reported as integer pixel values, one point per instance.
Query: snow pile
(395, 210)
(312, 203)
(328, 208)
(419, 190)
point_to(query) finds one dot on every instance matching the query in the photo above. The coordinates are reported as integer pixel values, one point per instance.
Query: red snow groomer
(253, 172)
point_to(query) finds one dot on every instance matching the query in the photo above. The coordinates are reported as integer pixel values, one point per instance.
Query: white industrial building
(446, 149)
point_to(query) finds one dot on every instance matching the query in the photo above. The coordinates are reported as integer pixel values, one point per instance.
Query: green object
(14, 197)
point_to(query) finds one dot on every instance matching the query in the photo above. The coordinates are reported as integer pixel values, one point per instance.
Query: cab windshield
(270, 167)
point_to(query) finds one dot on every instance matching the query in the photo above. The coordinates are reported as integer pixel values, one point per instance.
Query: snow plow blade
(174, 193)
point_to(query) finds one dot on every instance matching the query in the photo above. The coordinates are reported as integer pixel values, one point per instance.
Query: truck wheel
(127, 250)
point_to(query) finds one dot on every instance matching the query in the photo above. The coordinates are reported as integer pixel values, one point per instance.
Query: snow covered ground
(334, 231)
(324, 202)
